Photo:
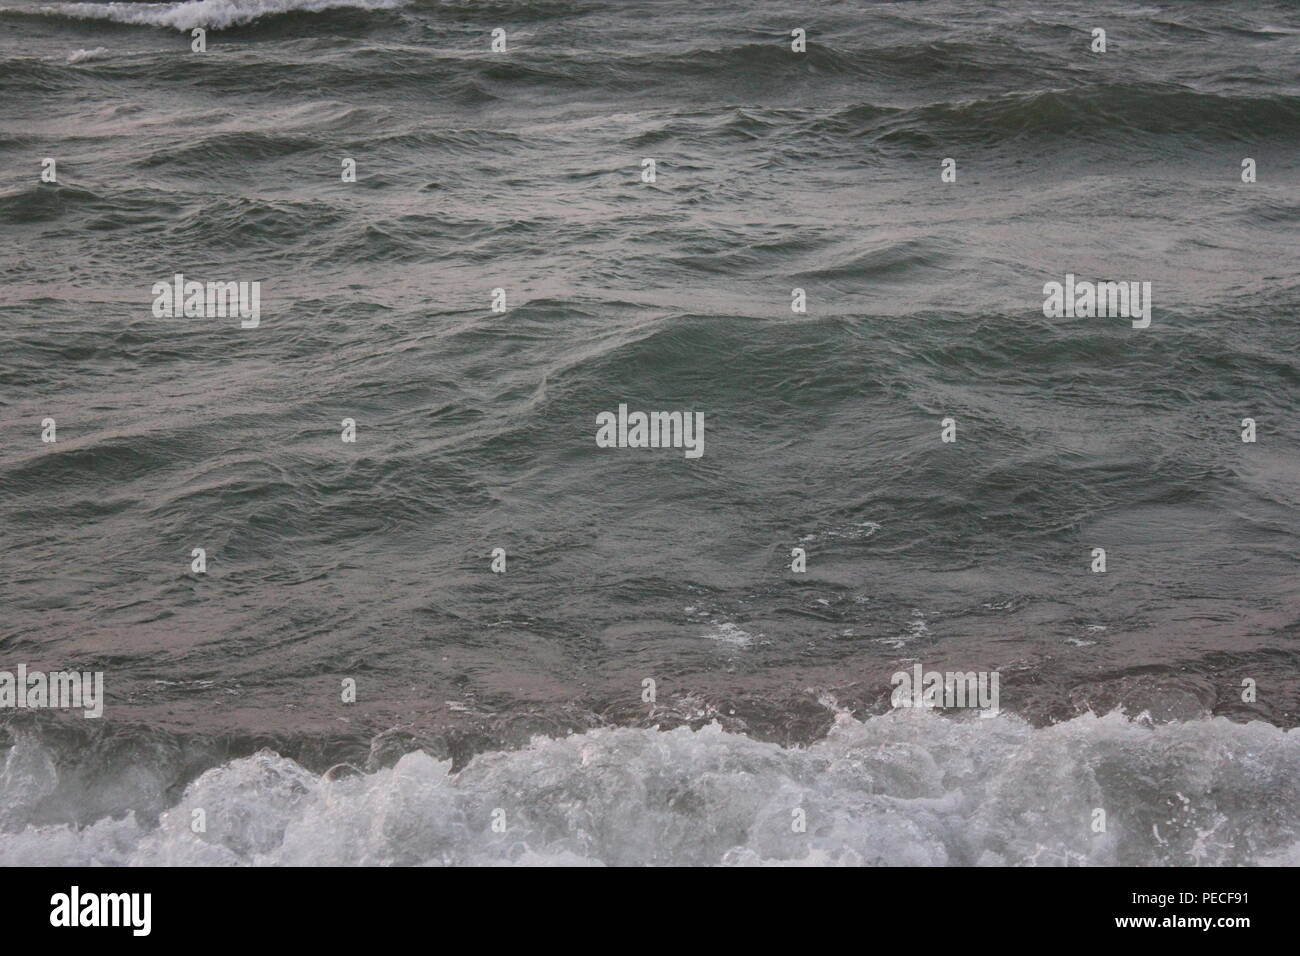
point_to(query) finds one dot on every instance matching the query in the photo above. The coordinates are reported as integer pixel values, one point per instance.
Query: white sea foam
(862, 529)
(727, 632)
(81, 56)
(908, 787)
(209, 14)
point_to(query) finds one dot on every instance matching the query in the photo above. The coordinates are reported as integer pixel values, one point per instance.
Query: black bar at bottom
(908, 906)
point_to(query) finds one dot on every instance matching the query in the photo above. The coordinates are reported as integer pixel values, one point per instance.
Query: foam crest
(209, 14)
(906, 788)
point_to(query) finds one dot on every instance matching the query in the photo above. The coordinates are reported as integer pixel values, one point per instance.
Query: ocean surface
(522, 692)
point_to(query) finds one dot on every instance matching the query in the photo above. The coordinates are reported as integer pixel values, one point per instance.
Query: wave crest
(208, 14)
(905, 788)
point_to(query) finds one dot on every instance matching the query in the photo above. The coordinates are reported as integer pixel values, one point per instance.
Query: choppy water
(775, 170)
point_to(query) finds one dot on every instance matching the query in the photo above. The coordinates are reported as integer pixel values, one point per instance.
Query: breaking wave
(905, 788)
(208, 14)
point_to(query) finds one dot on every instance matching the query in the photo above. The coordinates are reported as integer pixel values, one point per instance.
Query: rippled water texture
(475, 430)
